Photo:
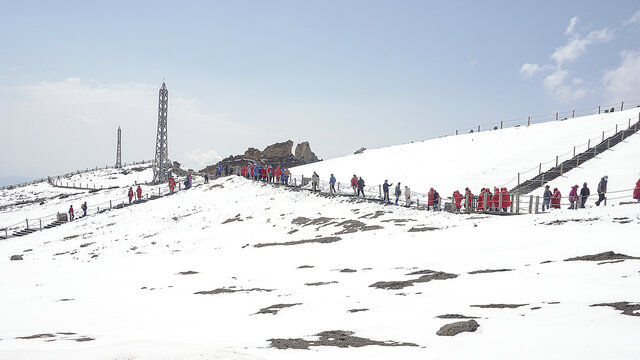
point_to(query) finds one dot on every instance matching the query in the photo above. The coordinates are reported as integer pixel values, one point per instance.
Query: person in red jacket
(354, 185)
(264, 174)
(130, 193)
(495, 199)
(468, 200)
(172, 185)
(278, 173)
(481, 199)
(430, 198)
(506, 199)
(555, 199)
(139, 193)
(636, 191)
(457, 197)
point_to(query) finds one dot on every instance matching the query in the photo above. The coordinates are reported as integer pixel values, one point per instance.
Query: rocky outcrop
(456, 328)
(304, 153)
(278, 154)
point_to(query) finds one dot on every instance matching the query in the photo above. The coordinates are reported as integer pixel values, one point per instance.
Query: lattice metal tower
(161, 164)
(119, 152)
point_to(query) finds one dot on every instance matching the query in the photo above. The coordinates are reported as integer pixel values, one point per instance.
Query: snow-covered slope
(217, 271)
(485, 159)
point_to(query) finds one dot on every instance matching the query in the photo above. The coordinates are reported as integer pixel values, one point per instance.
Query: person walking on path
(84, 209)
(219, 170)
(172, 185)
(278, 173)
(385, 190)
(285, 176)
(315, 179)
(602, 189)
(71, 215)
(436, 201)
(398, 193)
(468, 200)
(139, 193)
(332, 185)
(360, 187)
(546, 198)
(206, 178)
(556, 198)
(584, 194)
(354, 185)
(407, 196)
(573, 197)
(636, 191)
(457, 199)
(130, 193)
(429, 199)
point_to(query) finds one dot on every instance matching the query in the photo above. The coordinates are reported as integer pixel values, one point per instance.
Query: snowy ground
(109, 286)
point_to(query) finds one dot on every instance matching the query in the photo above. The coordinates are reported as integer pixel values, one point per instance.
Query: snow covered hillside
(485, 159)
(236, 269)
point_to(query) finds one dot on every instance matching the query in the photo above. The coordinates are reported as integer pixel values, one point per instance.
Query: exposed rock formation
(304, 153)
(278, 154)
(456, 328)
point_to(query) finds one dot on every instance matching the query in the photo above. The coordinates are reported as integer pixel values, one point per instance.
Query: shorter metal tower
(119, 152)
(161, 164)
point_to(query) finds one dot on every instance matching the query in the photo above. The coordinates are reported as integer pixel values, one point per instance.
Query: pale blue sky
(339, 74)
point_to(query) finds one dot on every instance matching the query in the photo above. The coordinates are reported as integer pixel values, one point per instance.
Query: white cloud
(528, 70)
(577, 46)
(202, 158)
(623, 82)
(572, 25)
(635, 19)
(556, 84)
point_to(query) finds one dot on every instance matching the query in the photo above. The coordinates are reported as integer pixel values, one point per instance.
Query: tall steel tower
(119, 152)
(161, 164)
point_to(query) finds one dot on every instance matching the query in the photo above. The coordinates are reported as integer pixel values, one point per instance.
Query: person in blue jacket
(219, 170)
(385, 190)
(257, 172)
(332, 185)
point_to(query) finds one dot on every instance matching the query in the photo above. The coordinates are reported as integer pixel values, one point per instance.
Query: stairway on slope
(568, 165)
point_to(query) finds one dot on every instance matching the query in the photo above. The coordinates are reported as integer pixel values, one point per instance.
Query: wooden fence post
(500, 124)
(27, 224)
(589, 144)
(518, 178)
(561, 165)
(577, 160)
(556, 116)
(539, 168)
(598, 109)
(616, 128)
(295, 182)
(499, 201)
(574, 114)
(529, 121)
(478, 128)
(380, 191)
(40, 224)
(511, 208)
(603, 136)
(537, 203)
(110, 205)
(629, 127)
(417, 203)
(456, 132)
(608, 143)
(622, 106)
(338, 186)
(574, 151)
(556, 160)
(530, 203)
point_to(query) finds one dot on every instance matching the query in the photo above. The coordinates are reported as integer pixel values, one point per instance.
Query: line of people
(267, 173)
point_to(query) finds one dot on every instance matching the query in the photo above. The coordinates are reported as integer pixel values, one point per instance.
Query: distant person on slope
(584, 194)
(636, 191)
(385, 190)
(139, 193)
(457, 199)
(172, 185)
(354, 185)
(360, 187)
(573, 197)
(71, 215)
(436, 201)
(130, 193)
(398, 193)
(407, 196)
(286, 174)
(468, 200)
(429, 199)
(315, 179)
(84, 209)
(556, 198)
(602, 189)
(546, 198)
(206, 178)
(332, 185)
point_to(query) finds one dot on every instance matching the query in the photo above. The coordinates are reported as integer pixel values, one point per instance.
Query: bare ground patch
(487, 271)
(322, 240)
(604, 256)
(274, 309)
(627, 308)
(396, 285)
(351, 226)
(336, 338)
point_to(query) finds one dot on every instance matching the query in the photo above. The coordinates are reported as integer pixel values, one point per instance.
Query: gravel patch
(336, 338)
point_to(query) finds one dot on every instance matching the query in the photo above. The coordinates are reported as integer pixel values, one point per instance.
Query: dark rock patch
(604, 256)
(300, 220)
(337, 338)
(84, 339)
(374, 215)
(318, 221)
(611, 262)
(86, 244)
(399, 221)
(561, 222)
(228, 291)
(456, 328)
(396, 285)
(421, 272)
(36, 336)
(546, 262)
(357, 310)
(63, 300)
(553, 302)
(422, 228)
(488, 271)
(15, 257)
(348, 270)
(66, 333)
(627, 308)
(305, 267)
(190, 272)
(70, 237)
(292, 231)
(236, 218)
(274, 309)
(320, 283)
(455, 316)
(351, 226)
(499, 306)
(536, 308)
(322, 240)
